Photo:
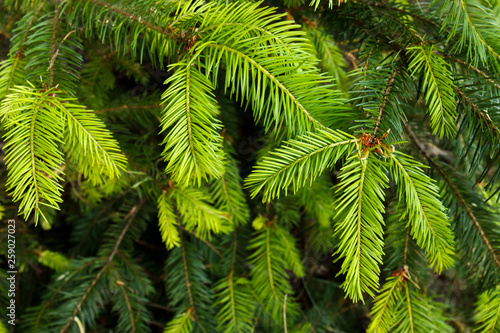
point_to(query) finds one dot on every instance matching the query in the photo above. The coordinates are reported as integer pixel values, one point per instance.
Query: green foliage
(54, 260)
(187, 285)
(234, 315)
(194, 165)
(193, 146)
(273, 253)
(359, 228)
(429, 224)
(90, 145)
(167, 221)
(476, 26)
(401, 308)
(438, 85)
(270, 66)
(11, 74)
(487, 311)
(198, 214)
(33, 165)
(228, 195)
(298, 162)
(473, 220)
(330, 56)
(50, 41)
(181, 324)
(34, 168)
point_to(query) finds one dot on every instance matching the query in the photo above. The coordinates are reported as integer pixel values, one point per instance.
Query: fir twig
(53, 46)
(186, 275)
(130, 218)
(455, 191)
(481, 115)
(126, 107)
(168, 31)
(386, 95)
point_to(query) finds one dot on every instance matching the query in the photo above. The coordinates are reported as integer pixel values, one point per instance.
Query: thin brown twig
(284, 314)
(406, 245)
(26, 31)
(54, 55)
(368, 59)
(235, 244)
(456, 192)
(165, 31)
(386, 95)
(207, 243)
(475, 69)
(125, 296)
(484, 117)
(186, 275)
(161, 307)
(53, 44)
(126, 107)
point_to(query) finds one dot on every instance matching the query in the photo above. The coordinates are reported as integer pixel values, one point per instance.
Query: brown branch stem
(483, 117)
(186, 275)
(165, 31)
(456, 192)
(475, 69)
(407, 237)
(386, 95)
(53, 46)
(126, 107)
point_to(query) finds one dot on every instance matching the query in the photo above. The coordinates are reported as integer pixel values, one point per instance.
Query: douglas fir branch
(250, 166)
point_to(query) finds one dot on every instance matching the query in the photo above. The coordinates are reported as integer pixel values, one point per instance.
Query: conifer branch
(428, 220)
(125, 295)
(167, 31)
(53, 46)
(407, 237)
(245, 55)
(484, 118)
(126, 107)
(273, 79)
(130, 218)
(207, 243)
(13, 67)
(359, 228)
(475, 30)
(385, 96)
(58, 290)
(438, 83)
(186, 276)
(383, 308)
(408, 302)
(487, 312)
(193, 145)
(28, 27)
(269, 267)
(235, 245)
(475, 69)
(456, 192)
(54, 55)
(238, 24)
(282, 167)
(232, 301)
